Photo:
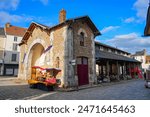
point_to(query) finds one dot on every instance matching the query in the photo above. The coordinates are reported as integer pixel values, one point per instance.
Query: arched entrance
(35, 57)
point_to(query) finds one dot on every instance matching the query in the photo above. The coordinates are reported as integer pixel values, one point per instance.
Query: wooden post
(125, 72)
(130, 69)
(102, 73)
(108, 70)
(99, 72)
(118, 71)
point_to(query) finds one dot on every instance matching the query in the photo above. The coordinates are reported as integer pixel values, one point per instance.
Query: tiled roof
(83, 18)
(2, 32)
(140, 53)
(112, 56)
(14, 30)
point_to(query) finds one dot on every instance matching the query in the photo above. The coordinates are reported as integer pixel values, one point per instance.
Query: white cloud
(130, 42)
(9, 4)
(141, 7)
(45, 2)
(129, 20)
(6, 17)
(109, 28)
(13, 18)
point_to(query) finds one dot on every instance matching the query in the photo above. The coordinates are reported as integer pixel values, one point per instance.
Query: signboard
(73, 62)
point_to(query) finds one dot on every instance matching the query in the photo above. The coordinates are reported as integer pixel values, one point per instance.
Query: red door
(82, 71)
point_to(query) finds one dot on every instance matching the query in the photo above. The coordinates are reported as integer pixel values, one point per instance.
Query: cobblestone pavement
(20, 92)
(129, 90)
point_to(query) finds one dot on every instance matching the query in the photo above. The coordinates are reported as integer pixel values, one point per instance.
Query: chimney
(144, 51)
(62, 16)
(7, 25)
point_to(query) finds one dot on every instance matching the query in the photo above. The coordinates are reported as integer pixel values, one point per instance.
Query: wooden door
(82, 71)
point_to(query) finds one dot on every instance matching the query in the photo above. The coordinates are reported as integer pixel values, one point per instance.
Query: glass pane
(79, 61)
(85, 61)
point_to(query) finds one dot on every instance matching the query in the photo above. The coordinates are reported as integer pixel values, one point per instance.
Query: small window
(81, 39)
(15, 46)
(85, 61)
(101, 48)
(79, 61)
(57, 62)
(106, 49)
(82, 60)
(15, 39)
(14, 57)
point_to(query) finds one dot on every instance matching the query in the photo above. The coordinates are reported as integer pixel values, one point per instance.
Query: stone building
(69, 46)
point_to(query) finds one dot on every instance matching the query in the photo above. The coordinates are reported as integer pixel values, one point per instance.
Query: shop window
(82, 39)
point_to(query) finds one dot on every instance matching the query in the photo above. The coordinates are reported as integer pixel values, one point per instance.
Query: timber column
(108, 69)
(118, 71)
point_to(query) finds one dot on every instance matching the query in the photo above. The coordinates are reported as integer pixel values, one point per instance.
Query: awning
(112, 56)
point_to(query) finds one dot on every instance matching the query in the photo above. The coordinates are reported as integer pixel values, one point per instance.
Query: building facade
(2, 48)
(10, 49)
(143, 58)
(69, 46)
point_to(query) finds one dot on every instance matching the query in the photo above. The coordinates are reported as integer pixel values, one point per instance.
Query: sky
(121, 22)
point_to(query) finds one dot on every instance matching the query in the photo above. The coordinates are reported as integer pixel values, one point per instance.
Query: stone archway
(34, 57)
(32, 49)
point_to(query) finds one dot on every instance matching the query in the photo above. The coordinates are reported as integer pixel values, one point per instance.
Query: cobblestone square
(128, 90)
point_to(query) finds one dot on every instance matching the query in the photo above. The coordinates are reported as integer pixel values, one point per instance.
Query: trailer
(44, 76)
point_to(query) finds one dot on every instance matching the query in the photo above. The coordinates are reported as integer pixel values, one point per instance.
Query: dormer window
(82, 39)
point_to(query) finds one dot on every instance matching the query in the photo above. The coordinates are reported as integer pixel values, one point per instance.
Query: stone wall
(88, 50)
(65, 48)
(58, 51)
(38, 36)
(56, 38)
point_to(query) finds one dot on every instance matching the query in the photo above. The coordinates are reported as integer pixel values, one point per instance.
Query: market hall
(113, 64)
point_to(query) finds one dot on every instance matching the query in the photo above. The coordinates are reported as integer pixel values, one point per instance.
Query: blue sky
(121, 22)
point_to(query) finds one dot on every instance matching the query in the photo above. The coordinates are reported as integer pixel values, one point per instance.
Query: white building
(10, 51)
(2, 40)
(143, 58)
